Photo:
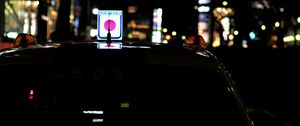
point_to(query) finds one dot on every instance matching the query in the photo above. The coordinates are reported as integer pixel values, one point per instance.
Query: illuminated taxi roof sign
(110, 21)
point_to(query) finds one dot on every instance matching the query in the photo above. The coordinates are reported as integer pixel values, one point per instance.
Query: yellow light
(298, 37)
(168, 37)
(183, 37)
(200, 31)
(165, 30)
(28, 3)
(219, 9)
(277, 24)
(245, 46)
(236, 32)
(225, 3)
(216, 43)
(298, 19)
(289, 38)
(231, 37)
(263, 27)
(174, 33)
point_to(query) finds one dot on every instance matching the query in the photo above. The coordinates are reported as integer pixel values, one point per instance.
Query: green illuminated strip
(124, 105)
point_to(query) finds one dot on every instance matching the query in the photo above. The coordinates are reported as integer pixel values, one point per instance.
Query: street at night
(117, 47)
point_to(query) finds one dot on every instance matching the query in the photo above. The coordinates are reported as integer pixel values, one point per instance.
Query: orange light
(168, 37)
(196, 41)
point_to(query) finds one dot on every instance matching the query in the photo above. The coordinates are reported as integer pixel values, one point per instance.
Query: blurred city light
(224, 3)
(216, 43)
(165, 30)
(168, 37)
(95, 11)
(183, 37)
(263, 27)
(298, 37)
(245, 44)
(174, 33)
(203, 9)
(281, 9)
(277, 24)
(289, 38)
(231, 37)
(230, 43)
(236, 32)
(124, 105)
(93, 32)
(203, 1)
(165, 41)
(36, 3)
(196, 7)
(157, 25)
(28, 3)
(12, 35)
(298, 19)
(130, 36)
(252, 35)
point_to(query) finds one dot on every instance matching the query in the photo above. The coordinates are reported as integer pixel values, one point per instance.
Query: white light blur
(156, 36)
(277, 24)
(97, 120)
(196, 7)
(12, 35)
(203, 1)
(236, 32)
(281, 9)
(165, 42)
(226, 25)
(93, 32)
(95, 11)
(203, 9)
(33, 24)
(263, 27)
(159, 12)
(298, 19)
(183, 37)
(174, 33)
(93, 112)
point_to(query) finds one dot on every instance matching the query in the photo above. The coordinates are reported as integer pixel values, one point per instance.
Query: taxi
(96, 83)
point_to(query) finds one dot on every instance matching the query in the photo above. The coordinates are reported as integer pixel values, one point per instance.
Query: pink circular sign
(110, 24)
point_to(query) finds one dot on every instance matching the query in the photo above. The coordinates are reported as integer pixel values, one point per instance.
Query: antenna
(108, 33)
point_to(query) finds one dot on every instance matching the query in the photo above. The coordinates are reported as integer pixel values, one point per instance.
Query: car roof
(149, 54)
